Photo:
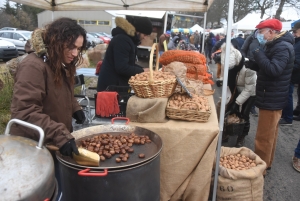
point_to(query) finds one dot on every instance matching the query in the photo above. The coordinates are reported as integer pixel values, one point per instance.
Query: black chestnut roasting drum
(129, 168)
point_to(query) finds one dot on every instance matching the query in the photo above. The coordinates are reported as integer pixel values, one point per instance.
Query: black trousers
(246, 108)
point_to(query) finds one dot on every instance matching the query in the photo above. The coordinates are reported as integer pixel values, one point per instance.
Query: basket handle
(154, 47)
(198, 106)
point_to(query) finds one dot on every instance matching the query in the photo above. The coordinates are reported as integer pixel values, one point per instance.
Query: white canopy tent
(169, 5)
(196, 27)
(249, 22)
(218, 31)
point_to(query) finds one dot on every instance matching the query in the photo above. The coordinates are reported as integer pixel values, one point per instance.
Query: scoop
(85, 157)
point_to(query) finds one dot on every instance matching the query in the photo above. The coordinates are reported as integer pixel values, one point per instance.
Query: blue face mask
(260, 38)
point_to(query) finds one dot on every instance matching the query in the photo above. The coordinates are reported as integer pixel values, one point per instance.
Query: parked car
(105, 34)
(92, 41)
(9, 28)
(7, 50)
(18, 38)
(102, 37)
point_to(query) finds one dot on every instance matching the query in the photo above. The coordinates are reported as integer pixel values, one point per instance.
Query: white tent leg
(165, 23)
(204, 28)
(224, 90)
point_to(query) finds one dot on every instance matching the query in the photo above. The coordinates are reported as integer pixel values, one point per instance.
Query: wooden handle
(52, 147)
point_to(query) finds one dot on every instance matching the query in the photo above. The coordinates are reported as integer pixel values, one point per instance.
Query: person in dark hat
(119, 61)
(240, 40)
(275, 62)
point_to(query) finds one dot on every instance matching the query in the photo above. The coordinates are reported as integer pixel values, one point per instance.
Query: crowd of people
(263, 70)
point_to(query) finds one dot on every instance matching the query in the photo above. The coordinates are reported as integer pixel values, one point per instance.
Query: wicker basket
(153, 88)
(188, 115)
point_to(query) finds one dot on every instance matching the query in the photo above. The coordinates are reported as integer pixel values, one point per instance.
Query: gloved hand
(234, 109)
(257, 50)
(79, 116)
(68, 148)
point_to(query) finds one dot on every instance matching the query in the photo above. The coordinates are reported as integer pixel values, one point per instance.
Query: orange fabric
(107, 104)
(182, 56)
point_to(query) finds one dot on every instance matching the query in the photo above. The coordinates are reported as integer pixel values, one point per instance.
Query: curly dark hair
(59, 34)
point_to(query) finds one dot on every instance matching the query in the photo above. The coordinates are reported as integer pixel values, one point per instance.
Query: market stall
(189, 185)
(187, 156)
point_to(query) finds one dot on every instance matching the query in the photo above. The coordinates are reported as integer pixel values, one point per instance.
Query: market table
(187, 156)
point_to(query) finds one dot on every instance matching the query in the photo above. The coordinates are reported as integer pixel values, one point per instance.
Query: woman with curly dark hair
(43, 91)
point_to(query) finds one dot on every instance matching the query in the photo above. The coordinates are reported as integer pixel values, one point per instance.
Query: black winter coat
(296, 70)
(119, 62)
(275, 69)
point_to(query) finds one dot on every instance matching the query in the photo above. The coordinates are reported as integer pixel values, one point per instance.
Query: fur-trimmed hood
(125, 25)
(37, 43)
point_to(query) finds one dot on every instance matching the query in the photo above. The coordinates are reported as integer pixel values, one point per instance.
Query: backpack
(213, 41)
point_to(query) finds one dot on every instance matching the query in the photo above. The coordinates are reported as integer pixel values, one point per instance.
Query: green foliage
(5, 99)
(19, 16)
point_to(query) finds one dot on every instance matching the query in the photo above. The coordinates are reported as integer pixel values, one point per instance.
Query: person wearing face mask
(275, 62)
(119, 61)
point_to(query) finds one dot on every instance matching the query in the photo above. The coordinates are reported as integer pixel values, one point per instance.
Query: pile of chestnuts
(107, 145)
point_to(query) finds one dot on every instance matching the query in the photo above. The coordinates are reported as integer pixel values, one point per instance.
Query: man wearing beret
(119, 61)
(275, 62)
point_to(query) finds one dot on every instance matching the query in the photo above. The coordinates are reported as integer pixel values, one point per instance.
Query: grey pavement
(282, 182)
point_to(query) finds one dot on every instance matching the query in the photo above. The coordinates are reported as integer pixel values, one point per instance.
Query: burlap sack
(237, 185)
(146, 110)
(179, 69)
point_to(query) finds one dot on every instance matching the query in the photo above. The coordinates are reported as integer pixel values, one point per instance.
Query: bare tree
(263, 5)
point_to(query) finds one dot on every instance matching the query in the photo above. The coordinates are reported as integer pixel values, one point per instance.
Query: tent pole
(52, 15)
(224, 90)
(165, 23)
(204, 28)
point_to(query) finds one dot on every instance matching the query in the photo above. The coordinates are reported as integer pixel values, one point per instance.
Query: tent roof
(249, 22)
(169, 5)
(140, 13)
(196, 27)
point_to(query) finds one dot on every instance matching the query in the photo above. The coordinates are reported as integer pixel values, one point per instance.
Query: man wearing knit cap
(119, 61)
(275, 62)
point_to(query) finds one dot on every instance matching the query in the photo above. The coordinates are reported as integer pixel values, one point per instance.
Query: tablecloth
(187, 157)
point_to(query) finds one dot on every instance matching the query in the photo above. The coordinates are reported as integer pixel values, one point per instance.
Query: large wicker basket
(153, 88)
(188, 115)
